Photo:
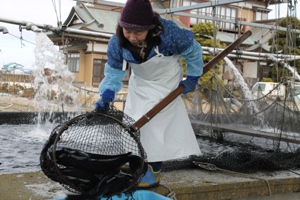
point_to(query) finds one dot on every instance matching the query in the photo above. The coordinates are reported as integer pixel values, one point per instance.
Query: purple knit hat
(138, 15)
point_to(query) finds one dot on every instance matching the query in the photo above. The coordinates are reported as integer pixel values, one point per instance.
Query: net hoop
(114, 122)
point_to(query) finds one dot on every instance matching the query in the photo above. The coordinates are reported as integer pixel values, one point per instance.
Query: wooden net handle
(173, 95)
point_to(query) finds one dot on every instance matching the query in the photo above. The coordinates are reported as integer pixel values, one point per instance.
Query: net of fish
(101, 154)
(95, 154)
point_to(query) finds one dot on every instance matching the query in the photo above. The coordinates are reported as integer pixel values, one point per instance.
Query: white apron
(169, 134)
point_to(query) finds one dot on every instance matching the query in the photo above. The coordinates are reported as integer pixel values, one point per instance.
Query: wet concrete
(192, 184)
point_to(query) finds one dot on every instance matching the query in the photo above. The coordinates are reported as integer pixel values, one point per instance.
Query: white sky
(43, 12)
(35, 11)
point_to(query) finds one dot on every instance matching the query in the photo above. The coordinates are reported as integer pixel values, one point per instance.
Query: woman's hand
(107, 97)
(189, 84)
(102, 105)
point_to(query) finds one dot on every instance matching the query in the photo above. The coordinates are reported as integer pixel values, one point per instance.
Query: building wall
(23, 78)
(94, 51)
(88, 65)
(250, 69)
(241, 11)
(85, 74)
(79, 77)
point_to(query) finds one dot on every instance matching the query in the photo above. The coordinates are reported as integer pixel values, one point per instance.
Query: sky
(13, 49)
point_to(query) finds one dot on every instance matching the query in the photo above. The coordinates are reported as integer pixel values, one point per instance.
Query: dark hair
(152, 38)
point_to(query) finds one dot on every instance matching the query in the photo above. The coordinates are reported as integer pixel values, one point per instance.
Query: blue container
(138, 195)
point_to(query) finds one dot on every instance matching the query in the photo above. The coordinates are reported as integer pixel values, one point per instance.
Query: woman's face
(135, 37)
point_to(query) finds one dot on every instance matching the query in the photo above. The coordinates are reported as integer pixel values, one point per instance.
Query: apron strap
(156, 50)
(124, 67)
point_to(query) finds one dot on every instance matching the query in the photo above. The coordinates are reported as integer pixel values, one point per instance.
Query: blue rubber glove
(189, 84)
(102, 105)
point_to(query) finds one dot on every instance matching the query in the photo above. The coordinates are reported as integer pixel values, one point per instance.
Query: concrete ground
(192, 184)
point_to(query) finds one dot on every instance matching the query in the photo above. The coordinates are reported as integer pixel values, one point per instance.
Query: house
(237, 17)
(13, 71)
(86, 54)
(95, 21)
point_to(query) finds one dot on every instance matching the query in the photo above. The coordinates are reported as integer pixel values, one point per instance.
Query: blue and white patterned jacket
(175, 41)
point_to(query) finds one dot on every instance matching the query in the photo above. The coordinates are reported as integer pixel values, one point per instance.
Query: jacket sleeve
(193, 59)
(112, 80)
(113, 73)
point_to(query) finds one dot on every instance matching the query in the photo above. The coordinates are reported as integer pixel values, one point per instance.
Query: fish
(81, 179)
(94, 163)
(112, 182)
(46, 160)
(95, 175)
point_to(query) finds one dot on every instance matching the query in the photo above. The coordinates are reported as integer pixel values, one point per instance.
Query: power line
(22, 39)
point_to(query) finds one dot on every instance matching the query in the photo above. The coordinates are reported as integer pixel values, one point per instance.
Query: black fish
(80, 178)
(94, 163)
(46, 160)
(114, 181)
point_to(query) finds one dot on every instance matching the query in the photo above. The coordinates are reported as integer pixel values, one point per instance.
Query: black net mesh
(95, 154)
(242, 134)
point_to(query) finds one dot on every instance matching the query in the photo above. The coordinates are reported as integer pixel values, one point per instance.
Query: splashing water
(21, 145)
(295, 73)
(53, 80)
(239, 80)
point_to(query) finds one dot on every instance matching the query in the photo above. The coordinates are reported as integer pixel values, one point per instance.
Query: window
(226, 13)
(266, 71)
(297, 90)
(98, 71)
(260, 13)
(221, 12)
(73, 62)
(259, 87)
(260, 16)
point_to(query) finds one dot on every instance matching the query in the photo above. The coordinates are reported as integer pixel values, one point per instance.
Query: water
(52, 79)
(21, 146)
(239, 80)
(291, 69)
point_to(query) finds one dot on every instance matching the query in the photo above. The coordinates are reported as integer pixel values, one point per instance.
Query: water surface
(20, 147)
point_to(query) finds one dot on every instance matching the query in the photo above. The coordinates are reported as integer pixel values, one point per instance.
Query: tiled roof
(93, 19)
(231, 37)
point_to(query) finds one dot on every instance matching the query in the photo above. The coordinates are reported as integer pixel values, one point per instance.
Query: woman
(152, 46)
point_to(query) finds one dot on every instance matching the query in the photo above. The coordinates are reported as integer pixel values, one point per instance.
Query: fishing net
(242, 134)
(95, 154)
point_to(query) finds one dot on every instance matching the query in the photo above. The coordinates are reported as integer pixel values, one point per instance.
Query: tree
(204, 33)
(285, 42)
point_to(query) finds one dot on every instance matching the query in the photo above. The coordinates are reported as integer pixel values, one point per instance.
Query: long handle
(168, 99)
